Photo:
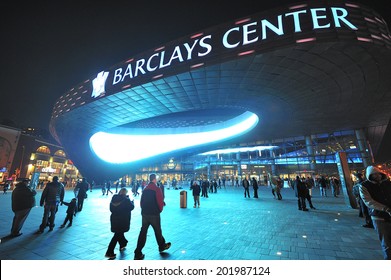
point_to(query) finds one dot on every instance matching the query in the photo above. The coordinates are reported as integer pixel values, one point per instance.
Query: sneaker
(62, 226)
(110, 256)
(166, 247)
(139, 257)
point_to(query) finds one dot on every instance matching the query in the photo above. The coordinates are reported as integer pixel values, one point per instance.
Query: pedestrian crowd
(372, 193)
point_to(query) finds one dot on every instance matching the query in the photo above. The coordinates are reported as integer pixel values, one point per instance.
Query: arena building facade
(308, 71)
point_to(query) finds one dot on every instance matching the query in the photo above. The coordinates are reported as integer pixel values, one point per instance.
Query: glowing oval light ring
(138, 144)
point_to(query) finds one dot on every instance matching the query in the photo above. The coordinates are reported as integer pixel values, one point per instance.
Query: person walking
(51, 197)
(376, 194)
(255, 187)
(71, 212)
(81, 189)
(196, 193)
(151, 204)
(22, 200)
(108, 188)
(120, 207)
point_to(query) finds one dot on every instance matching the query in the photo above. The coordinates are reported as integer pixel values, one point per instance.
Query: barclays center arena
(303, 88)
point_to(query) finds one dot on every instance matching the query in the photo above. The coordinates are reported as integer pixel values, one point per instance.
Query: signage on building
(245, 34)
(48, 170)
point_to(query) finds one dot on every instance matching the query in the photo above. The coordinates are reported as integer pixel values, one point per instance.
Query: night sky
(48, 47)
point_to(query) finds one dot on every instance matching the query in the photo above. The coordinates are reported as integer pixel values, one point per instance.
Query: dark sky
(48, 47)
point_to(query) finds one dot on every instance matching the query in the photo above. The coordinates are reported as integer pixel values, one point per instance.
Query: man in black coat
(120, 207)
(301, 193)
(23, 199)
(51, 197)
(81, 189)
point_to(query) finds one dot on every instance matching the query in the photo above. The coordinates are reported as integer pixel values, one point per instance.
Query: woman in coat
(120, 207)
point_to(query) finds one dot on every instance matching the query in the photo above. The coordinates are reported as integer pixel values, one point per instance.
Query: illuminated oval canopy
(130, 146)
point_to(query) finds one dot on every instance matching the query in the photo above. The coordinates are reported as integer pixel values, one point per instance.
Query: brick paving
(227, 226)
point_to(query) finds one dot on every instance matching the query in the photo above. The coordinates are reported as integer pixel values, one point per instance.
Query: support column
(364, 149)
(310, 151)
(273, 162)
(239, 165)
(208, 168)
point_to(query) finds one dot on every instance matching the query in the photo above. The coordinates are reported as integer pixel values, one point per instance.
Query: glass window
(43, 150)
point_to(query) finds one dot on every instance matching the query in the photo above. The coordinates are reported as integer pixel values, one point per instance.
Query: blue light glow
(137, 144)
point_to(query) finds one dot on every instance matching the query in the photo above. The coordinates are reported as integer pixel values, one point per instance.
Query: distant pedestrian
(120, 208)
(92, 185)
(22, 200)
(108, 188)
(246, 186)
(323, 186)
(300, 192)
(196, 193)
(71, 212)
(151, 206)
(6, 187)
(255, 187)
(81, 189)
(51, 197)
(204, 188)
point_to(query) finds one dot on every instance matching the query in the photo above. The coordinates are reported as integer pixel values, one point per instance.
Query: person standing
(51, 196)
(81, 189)
(246, 186)
(323, 186)
(22, 200)
(301, 192)
(151, 204)
(255, 187)
(363, 208)
(120, 207)
(196, 193)
(376, 194)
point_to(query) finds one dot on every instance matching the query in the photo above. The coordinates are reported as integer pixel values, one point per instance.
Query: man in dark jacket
(120, 208)
(301, 193)
(376, 194)
(51, 197)
(151, 206)
(81, 189)
(23, 199)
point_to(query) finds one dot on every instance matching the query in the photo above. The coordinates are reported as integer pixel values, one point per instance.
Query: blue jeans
(154, 221)
(383, 229)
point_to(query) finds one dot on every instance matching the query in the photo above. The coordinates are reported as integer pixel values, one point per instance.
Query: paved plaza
(227, 226)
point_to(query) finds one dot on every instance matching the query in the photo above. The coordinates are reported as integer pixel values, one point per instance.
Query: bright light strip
(239, 150)
(146, 143)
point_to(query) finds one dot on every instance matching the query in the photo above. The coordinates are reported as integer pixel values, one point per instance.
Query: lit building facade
(27, 154)
(302, 77)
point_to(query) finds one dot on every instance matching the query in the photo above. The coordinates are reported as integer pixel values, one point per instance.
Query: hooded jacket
(377, 196)
(120, 207)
